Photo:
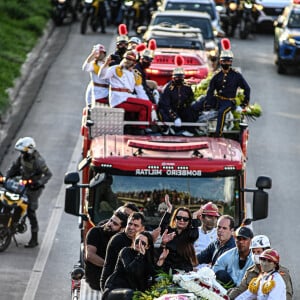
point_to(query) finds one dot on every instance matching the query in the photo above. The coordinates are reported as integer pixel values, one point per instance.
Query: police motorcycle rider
(30, 165)
(175, 102)
(222, 89)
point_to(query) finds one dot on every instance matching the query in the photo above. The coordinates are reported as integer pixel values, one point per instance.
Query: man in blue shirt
(231, 266)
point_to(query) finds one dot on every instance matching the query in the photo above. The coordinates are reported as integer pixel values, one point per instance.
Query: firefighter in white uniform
(124, 82)
(98, 88)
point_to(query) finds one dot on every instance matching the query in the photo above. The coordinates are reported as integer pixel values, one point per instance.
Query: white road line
(50, 233)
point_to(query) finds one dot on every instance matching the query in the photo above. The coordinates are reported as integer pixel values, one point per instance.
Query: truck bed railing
(106, 120)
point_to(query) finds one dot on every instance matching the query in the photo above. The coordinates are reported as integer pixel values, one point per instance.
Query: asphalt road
(54, 122)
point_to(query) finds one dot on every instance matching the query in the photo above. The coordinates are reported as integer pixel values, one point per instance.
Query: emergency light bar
(167, 147)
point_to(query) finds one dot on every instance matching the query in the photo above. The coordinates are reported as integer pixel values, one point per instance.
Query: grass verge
(21, 24)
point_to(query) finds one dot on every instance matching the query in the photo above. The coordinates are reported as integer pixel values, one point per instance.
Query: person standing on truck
(223, 89)
(231, 266)
(97, 89)
(224, 242)
(145, 59)
(175, 101)
(123, 83)
(269, 284)
(208, 214)
(95, 247)
(121, 46)
(259, 244)
(135, 224)
(30, 165)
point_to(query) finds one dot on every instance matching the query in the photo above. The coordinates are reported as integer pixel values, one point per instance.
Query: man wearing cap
(222, 91)
(224, 242)
(259, 244)
(208, 215)
(97, 89)
(231, 266)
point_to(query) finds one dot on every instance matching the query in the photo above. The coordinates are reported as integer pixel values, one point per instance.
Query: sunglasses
(137, 241)
(184, 219)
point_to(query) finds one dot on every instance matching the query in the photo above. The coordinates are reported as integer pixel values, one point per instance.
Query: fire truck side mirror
(72, 200)
(260, 205)
(263, 182)
(72, 196)
(71, 178)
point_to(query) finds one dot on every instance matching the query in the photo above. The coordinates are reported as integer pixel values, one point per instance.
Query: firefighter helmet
(260, 241)
(25, 144)
(178, 71)
(210, 209)
(226, 53)
(271, 255)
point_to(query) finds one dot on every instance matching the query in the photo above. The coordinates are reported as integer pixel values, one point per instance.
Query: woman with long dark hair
(179, 232)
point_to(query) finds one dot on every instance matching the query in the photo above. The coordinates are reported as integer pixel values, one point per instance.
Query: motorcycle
(231, 18)
(90, 13)
(13, 209)
(248, 15)
(62, 10)
(134, 13)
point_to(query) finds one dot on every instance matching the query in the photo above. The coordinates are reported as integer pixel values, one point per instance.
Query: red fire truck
(118, 168)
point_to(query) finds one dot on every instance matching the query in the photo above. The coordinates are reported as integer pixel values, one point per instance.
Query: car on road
(173, 40)
(271, 9)
(207, 6)
(194, 19)
(287, 38)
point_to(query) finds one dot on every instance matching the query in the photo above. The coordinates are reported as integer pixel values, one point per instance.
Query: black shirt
(115, 245)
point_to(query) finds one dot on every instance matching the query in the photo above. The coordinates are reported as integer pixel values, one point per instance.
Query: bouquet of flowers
(202, 283)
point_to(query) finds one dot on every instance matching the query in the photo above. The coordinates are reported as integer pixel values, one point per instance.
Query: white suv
(207, 6)
(271, 10)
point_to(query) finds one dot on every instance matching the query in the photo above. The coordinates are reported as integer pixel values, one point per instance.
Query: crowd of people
(120, 80)
(120, 256)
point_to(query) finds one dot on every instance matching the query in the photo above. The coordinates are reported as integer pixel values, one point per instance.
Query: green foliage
(162, 286)
(21, 24)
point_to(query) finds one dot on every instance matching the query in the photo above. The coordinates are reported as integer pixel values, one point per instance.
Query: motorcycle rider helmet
(210, 209)
(260, 241)
(25, 145)
(271, 255)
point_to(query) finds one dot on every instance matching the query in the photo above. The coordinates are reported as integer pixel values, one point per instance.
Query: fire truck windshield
(148, 193)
